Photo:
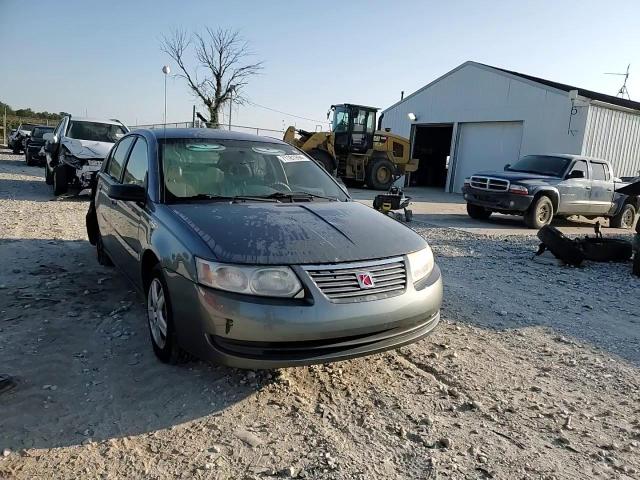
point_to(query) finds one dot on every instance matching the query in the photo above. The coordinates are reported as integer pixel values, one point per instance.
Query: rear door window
(600, 171)
(114, 169)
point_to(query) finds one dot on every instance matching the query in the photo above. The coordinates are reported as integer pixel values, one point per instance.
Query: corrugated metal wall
(615, 136)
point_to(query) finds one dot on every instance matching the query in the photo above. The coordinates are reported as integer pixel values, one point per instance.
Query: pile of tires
(575, 251)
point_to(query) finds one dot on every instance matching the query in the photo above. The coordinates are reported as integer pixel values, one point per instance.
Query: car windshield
(196, 168)
(541, 164)
(38, 132)
(95, 131)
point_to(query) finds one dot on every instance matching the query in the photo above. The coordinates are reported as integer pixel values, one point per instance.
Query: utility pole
(230, 105)
(193, 117)
(4, 127)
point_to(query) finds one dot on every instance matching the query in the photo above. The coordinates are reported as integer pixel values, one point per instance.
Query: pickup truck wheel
(60, 184)
(540, 213)
(478, 212)
(625, 217)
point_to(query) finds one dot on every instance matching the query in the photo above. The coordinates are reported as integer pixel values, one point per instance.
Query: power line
(285, 113)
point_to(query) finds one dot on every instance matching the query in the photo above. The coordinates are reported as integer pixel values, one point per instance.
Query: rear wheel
(540, 213)
(625, 217)
(60, 184)
(324, 159)
(478, 212)
(160, 320)
(380, 173)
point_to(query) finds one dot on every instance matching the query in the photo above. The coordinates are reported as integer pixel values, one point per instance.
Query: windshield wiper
(292, 195)
(223, 198)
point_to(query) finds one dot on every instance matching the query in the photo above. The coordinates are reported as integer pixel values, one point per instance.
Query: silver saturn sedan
(251, 255)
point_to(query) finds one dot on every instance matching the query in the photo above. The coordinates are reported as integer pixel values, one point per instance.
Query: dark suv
(34, 144)
(539, 187)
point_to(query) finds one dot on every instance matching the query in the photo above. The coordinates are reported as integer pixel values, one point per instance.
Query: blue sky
(104, 57)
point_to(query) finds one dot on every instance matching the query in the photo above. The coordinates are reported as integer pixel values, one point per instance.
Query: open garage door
(485, 146)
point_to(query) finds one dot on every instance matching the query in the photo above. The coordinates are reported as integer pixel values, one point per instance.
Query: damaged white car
(75, 151)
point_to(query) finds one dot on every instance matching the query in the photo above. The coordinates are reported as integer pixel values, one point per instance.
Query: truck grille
(489, 183)
(339, 282)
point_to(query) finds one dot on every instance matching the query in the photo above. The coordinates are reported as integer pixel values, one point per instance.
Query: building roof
(601, 97)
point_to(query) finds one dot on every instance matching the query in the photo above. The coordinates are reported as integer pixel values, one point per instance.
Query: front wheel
(540, 213)
(625, 217)
(60, 184)
(48, 174)
(160, 320)
(478, 212)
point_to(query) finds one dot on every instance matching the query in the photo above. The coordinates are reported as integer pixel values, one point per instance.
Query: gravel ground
(533, 373)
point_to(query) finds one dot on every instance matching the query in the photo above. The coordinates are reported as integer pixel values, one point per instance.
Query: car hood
(513, 176)
(297, 233)
(86, 148)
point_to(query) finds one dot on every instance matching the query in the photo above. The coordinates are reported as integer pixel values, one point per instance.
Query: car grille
(339, 282)
(489, 183)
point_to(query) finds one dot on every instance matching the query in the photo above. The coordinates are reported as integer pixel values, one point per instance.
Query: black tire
(540, 213)
(625, 217)
(562, 247)
(379, 175)
(103, 257)
(60, 184)
(48, 174)
(324, 160)
(478, 212)
(636, 264)
(168, 350)
(606, 249)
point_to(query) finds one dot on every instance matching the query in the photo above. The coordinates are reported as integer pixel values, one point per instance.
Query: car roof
(207, 133)
(569, 156)
(95, 120)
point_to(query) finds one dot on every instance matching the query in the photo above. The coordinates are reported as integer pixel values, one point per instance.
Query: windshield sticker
(268, 151)
(292, 158)
(204, 147)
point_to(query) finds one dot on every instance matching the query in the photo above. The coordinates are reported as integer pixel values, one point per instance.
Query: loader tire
(606, 249)
(323, 159)
(380, 173)
(562, 247)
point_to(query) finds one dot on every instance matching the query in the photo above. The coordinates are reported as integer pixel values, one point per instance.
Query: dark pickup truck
(541, 187)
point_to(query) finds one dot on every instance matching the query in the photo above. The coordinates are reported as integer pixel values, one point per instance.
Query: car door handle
(587, 188)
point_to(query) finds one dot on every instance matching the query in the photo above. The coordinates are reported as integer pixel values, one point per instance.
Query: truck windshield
(197, 168)
(340, 121)
(541, 164)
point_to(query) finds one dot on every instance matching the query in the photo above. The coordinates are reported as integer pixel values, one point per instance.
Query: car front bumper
(249, 332)
(497, 201)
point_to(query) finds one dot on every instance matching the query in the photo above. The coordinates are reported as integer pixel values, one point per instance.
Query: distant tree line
(28, 113)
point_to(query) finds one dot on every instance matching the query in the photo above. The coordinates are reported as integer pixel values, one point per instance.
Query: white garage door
(485, 146)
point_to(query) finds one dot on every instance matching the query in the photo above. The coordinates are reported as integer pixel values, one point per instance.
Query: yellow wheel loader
(354, 150)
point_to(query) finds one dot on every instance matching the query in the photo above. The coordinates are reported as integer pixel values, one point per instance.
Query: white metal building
(478, 117)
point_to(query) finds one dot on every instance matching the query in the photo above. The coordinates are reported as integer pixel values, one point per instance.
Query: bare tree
(223, 55)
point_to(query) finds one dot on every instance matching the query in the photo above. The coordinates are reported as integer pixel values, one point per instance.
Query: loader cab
(353, 127)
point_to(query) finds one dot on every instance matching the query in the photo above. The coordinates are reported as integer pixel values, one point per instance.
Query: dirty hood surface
(297, 233)
(513, 175)
(87, 148)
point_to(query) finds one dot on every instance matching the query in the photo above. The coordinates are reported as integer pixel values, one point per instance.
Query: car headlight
(265, 281)
(421, 263)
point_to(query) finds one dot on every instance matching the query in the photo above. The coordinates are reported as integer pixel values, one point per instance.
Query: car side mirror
(127, 192)
(576, 174)
(506, 167)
